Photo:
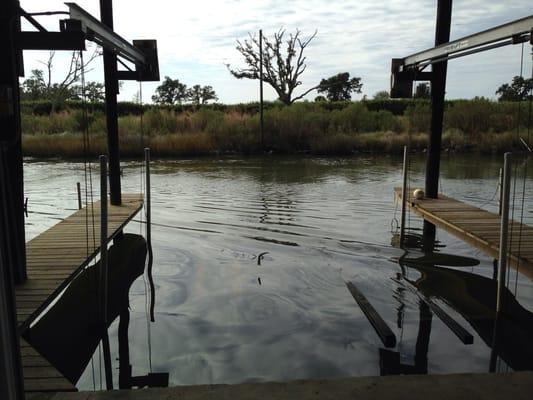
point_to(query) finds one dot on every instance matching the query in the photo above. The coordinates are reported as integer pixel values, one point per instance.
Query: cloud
(196, 39)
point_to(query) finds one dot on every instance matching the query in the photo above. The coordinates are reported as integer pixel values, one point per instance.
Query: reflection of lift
(473, 297)
(68, 334)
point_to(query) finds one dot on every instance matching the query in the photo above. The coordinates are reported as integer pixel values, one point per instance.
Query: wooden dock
(53, 259)
(478, 227)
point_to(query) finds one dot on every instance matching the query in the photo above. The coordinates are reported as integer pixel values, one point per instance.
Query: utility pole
(261, 89)
(111, 91)
(438, 89)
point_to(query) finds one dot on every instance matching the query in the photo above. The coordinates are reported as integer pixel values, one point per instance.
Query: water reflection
(212, 218)
(509, 334)
(71, 330)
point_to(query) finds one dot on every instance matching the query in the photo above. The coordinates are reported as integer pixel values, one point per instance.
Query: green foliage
(422, 91)
(317, 127)
(171, 91)
(381, 95)
(519, 89)
(340, 87)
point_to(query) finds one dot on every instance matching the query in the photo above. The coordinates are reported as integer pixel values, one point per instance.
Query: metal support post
(148, 196)
(78, 189)
(500, 191)
(261, 123)
(11, 178)
(111, 91)
(103, 271)
(438, 87)
(11, 381)
(148, 207)
(404, 195)
(504, 230)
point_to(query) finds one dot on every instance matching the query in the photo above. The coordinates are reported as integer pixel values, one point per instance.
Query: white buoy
(418, 194)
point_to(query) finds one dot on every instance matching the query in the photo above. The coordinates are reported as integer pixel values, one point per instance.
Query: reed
(476, 125)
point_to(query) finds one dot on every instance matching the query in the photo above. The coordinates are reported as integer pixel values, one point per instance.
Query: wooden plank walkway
(53, 259)
(478, 227)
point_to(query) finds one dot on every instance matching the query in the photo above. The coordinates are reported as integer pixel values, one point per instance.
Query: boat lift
(79, 27)
(405, 71)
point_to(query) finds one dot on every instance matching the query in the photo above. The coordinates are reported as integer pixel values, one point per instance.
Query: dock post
(148, 196)
(500, 191)
(404, 194)
(504, 230)
(103, 271)
(78, 189)
(148, 206)
(11, 380)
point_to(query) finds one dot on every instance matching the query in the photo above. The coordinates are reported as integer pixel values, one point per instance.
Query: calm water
(222, 318)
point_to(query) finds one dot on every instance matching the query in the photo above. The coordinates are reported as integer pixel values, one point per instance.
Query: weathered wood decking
(53, 260)
(478, 227)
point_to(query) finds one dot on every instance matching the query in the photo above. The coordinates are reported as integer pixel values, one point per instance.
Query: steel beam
(99, 33)
(52, 40)
(518, 31)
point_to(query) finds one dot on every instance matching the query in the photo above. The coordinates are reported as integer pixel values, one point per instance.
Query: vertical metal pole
(438, 88)
(261, 121)
(11, 381)
(12, 237)
(148, 196)
(148, 206)
(78, 189)
(11, 180)
(111, 91)
(404, 196)
(504, 230)
(104, 271)
(500, 191)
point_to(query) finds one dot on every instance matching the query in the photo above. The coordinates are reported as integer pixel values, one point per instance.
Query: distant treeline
(43, 107)
(380, 126)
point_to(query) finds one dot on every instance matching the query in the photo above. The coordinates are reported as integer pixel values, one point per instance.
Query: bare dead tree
(59, 91)
(281, 70)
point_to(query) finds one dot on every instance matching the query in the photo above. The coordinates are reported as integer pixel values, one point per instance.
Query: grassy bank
(470, 126)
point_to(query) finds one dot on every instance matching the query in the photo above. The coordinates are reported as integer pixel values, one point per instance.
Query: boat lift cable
(149, 310)
(89, 198)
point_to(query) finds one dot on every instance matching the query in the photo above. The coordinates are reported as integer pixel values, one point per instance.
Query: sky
(196, 39)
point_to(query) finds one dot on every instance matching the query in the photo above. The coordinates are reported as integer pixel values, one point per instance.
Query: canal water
(251, 260)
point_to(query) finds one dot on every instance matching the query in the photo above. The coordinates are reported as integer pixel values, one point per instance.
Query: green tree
(283, 63)
(422, 91)
(94, 91)
(381, 95)
(202, 94)
(519, 89)
(171, 91)
(340, 87)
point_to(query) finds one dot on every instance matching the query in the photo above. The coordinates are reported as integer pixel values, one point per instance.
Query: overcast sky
(197, 38)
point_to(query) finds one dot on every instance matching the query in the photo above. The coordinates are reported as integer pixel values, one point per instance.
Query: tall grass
(470, 125)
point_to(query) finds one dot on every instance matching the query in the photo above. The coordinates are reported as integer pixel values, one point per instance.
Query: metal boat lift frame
(405, 71)
(73, 32)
